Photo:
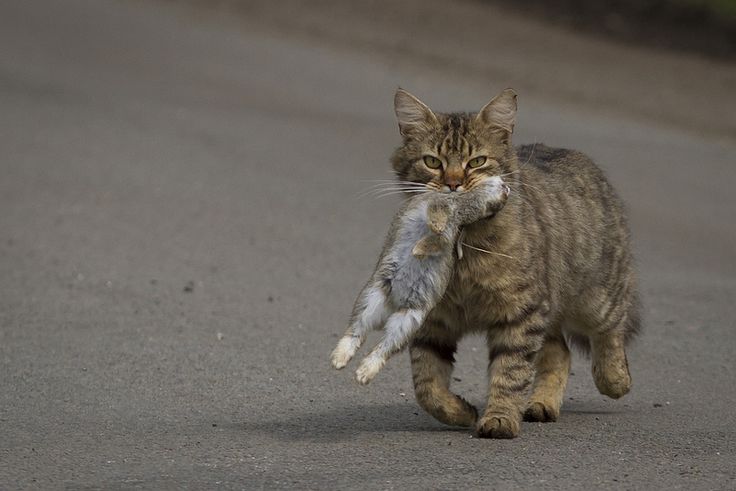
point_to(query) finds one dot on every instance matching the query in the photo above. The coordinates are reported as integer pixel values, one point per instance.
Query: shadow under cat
(344, 422)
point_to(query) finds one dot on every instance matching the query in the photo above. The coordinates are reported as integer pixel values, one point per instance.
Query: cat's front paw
(344, 351)
(497, 425)
(368, 369)
(540, 412)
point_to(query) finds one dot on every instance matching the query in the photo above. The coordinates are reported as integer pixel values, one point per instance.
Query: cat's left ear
(500, 114)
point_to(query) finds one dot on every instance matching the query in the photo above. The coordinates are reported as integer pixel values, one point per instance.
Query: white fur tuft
(345, 350)
(374, 312)
(400, 327)
(369, 368)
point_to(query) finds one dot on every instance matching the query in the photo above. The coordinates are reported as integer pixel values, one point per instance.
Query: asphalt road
(182, 237)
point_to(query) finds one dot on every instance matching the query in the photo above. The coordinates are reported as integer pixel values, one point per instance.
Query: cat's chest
(481, 292)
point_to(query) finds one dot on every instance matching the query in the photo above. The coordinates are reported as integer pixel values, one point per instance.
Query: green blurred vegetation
(724, 8)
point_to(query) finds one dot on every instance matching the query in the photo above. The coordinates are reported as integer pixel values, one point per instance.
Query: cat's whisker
(531, 155)
(398, 191)
(381, 190)
(517, 194)
(395, 187)
(385, 183)
(389, 193)
(486, 251)
(392, 186)
(394, 181)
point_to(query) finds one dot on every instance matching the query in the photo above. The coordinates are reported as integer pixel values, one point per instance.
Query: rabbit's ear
(438, 213)
(429, 245)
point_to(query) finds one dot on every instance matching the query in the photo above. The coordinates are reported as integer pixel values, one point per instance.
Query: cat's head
(455, 151)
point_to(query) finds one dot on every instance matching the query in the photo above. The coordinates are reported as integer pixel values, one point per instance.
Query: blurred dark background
(707, 27)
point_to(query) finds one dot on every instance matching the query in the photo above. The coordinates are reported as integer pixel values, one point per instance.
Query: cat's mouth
(505, 189)
(458, 189)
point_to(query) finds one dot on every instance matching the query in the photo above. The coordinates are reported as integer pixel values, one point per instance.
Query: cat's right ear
(413, 115)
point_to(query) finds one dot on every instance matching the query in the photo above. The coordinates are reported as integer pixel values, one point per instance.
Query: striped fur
(560, 271)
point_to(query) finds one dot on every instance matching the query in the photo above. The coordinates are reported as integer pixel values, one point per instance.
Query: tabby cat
(552, 267)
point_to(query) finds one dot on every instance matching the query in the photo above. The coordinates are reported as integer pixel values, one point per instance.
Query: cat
(562, 271)
(413, 271)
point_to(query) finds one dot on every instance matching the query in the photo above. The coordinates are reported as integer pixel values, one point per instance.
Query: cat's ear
(429, 245)
(413, 115)
(499, 115)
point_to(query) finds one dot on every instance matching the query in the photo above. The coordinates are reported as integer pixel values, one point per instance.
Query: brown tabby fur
(569, 277)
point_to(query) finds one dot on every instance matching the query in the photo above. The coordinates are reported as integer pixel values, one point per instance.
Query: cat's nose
(453, 184)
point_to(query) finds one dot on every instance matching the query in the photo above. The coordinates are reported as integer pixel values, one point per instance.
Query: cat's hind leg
(398, 331)
(611, 326)
(370, 311)
(610, 366)
(552, 370)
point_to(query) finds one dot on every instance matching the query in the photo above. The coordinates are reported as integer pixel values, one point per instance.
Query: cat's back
(550, 163)
(581, 226)
(568, 190)
(561, 169)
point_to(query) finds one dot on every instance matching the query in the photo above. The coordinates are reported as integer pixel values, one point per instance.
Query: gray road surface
(182, 237)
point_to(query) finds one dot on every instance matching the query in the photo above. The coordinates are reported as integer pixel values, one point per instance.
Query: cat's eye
(432, 162)
(477, 162)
